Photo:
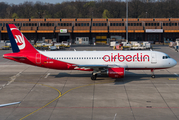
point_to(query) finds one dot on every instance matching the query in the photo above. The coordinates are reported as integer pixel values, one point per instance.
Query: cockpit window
(166, 57)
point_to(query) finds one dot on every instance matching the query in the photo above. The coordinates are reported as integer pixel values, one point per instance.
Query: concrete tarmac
(47, 94)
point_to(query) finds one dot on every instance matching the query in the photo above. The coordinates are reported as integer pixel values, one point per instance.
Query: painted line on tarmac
(47, 75)
(115, 116)
(99, 107)
(13, 78)
(60, 95)
(47, 103)
(172, 78)
(176, 74)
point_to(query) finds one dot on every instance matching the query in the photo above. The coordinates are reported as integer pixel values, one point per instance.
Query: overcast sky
(47, 1)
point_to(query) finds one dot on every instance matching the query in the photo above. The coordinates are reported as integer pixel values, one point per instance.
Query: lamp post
(127, 20)
(146, 14)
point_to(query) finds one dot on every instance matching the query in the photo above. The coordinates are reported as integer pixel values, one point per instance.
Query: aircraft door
(38, 58)
(154, 58)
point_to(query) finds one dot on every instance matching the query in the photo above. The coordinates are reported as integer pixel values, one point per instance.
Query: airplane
(111, 63)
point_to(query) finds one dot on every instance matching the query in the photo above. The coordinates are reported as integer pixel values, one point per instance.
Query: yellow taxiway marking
(47, 103)
(60, 95)
(172, 78)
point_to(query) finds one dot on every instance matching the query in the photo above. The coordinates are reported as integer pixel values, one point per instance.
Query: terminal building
(96, 29)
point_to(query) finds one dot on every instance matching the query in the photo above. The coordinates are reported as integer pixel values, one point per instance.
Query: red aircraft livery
(122, 58)
(112, 63)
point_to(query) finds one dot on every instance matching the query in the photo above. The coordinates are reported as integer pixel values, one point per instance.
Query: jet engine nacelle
(116, 72)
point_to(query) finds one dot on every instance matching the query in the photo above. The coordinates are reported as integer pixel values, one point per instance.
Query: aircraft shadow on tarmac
(129, 76)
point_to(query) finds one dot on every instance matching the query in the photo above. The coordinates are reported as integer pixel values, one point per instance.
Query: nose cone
(174, 62)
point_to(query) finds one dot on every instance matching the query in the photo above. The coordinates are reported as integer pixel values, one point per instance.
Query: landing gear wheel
(93, 77)
(153, 76)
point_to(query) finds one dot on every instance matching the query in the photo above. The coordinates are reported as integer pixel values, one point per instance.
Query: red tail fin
(19, 42)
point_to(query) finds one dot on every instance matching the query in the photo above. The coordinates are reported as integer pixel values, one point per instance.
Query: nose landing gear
(152, 76)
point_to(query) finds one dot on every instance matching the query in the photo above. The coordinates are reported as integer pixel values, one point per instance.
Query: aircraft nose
(174, 62)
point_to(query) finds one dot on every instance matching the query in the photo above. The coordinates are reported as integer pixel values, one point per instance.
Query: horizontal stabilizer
(17, 57)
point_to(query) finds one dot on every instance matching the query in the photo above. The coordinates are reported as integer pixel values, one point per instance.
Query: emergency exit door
(154, 58)
(38, 58)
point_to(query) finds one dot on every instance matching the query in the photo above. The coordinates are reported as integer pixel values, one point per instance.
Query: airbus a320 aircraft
(112, 63)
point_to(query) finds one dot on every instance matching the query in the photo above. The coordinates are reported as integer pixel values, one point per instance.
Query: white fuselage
(126, 59)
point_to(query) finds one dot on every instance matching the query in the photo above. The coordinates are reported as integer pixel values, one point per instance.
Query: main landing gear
(152, 76)
(93, 76)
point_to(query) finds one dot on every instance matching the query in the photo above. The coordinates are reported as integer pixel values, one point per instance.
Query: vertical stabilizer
(18, 41)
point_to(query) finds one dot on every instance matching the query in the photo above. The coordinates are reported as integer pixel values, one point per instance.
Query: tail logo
(19, 39)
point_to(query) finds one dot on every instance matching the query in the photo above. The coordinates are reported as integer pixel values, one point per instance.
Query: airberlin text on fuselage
(128, 58)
